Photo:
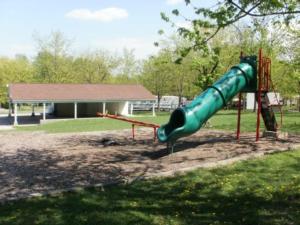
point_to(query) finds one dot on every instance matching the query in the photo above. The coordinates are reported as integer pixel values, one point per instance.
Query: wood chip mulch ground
(39, 163)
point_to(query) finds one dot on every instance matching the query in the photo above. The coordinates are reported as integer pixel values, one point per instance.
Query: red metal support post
(259, 94)
(238, 130)
(132, 125)
(268, 74)
(239, 117)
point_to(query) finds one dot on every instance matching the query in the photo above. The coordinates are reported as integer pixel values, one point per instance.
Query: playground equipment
(133, 123)
(244, 77)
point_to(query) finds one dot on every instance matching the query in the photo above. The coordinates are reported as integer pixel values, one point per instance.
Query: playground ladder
(267, 113)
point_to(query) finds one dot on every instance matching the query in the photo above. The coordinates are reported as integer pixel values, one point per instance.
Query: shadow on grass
(254, 192)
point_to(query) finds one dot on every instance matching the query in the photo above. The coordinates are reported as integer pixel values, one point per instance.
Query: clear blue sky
(91, 24)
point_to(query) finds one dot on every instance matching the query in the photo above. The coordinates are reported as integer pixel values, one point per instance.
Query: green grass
(225, 120)
(94, 124)
(262, 191)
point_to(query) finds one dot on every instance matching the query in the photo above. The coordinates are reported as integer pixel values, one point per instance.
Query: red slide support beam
(260, 71)
(264, 85)
(238, 130)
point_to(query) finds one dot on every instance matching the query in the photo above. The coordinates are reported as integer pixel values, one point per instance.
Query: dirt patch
(37, 162)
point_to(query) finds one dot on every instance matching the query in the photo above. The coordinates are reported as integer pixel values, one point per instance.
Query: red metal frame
(238, 130)
(270, 85)
(280, 108)
(133, 123)
(260, 70)
(265, 73)
(264, 85)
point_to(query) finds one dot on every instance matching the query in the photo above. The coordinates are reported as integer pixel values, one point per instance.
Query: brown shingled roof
(77, 92)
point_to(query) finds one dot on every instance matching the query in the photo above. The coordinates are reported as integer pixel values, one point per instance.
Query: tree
(183, 74)
(181, 77)
(287, 73)
(93, 67)
(207, 66)
(18, 70)
(156, 74)
(53, 64)
(207, 22)
(127, 69)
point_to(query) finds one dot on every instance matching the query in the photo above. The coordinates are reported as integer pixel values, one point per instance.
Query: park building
(77, 100)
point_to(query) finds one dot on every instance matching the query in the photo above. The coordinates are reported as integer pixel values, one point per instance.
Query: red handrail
(260, 73)
(267, 82)
(280, 108)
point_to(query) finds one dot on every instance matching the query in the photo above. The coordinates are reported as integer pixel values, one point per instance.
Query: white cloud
(142, 47)
(103, 15)
(174, 2)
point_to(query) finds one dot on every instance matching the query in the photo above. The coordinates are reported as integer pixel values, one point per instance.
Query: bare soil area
(37, 162)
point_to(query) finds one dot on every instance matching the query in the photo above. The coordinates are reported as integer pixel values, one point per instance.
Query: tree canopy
(206, 23)
(55, 62)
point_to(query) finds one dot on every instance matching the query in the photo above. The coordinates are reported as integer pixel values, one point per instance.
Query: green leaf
(164, 17)
(178, 60)
(161, 32)
(175, 12)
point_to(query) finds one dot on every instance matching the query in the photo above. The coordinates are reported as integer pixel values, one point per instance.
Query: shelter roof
(78, 92)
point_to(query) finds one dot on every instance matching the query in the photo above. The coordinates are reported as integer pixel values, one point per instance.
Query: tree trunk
(179, 100)
(158, 102)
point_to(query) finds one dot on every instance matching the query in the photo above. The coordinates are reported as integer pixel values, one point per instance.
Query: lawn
(225, 119)
(93, 124)
(261, 191)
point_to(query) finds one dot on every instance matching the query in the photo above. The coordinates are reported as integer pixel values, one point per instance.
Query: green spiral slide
(187, 120)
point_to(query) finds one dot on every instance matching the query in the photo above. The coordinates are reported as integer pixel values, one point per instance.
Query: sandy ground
(32, 163)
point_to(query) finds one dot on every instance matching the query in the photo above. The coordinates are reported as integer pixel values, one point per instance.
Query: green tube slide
(189, 119)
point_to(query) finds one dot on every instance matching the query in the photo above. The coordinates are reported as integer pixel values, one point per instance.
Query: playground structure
(251, 75)
(133, 123)
(264, 85)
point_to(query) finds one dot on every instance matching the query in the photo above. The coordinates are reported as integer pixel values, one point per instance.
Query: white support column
(131, 108)
(104, 108)
(9, 109)
(44, 111)
(75, 110)
(153, 109)
(32, 108)
(15, 114)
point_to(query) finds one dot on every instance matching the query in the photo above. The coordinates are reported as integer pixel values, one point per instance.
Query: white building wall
(273, 98)
(90, 109)
(250, 100)
(120, 108)
(124, 108)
